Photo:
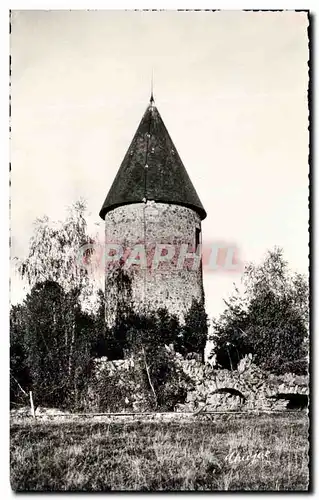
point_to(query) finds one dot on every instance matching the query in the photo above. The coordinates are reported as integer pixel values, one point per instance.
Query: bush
(270, 319)
(194, 332)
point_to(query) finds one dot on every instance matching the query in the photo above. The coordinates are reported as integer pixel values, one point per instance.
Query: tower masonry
(153, 220)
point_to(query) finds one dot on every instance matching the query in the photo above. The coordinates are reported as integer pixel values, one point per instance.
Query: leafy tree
(54, 267)
(108, 338)
(55, 252)
(19, 373)
(45, 337)
(195, 330)
(55, 339)
(270, 319)
(170, 328)
(148, 335)
(169, 381)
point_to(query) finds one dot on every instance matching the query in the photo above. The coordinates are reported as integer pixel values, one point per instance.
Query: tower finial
(152, 83)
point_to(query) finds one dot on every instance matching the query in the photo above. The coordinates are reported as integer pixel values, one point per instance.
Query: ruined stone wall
(153, 223)
(257, 390)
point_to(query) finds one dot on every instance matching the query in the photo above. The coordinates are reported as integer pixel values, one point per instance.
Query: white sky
(231, 88)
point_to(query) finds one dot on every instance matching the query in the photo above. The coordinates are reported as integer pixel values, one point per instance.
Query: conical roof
(152, 170)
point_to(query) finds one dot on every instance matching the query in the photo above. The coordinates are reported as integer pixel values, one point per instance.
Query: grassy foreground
(247, 453)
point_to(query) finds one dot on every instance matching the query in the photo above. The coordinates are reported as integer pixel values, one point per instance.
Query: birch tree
(55, 251)
(56, 256)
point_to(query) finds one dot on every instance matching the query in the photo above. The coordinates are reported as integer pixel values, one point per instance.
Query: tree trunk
(32, 405)
(149, 378)
(71, 350)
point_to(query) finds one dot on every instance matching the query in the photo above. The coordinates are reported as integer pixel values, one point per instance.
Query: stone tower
(153, 213)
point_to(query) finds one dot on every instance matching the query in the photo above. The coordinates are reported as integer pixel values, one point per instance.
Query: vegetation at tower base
(195, 330)
(142, 337)
(269, 320)
(133, 327)
(147, 360)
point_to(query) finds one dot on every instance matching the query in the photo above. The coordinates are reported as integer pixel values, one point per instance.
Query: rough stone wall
(149, 224)
(257, 387)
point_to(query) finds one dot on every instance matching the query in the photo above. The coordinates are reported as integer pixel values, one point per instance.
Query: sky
(231, 87)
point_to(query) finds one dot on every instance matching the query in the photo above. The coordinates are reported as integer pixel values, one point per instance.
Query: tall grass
(268, 453)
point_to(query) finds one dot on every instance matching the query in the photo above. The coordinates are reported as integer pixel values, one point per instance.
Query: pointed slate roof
(152, 170)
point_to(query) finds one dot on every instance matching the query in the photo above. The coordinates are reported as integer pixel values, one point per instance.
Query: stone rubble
(255, 387)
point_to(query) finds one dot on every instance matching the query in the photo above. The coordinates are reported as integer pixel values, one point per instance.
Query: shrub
(270, 319)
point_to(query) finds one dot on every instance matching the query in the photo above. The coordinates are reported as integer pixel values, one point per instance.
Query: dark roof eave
(200, 211)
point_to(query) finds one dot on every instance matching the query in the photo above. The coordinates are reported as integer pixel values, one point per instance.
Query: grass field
(246, 453)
